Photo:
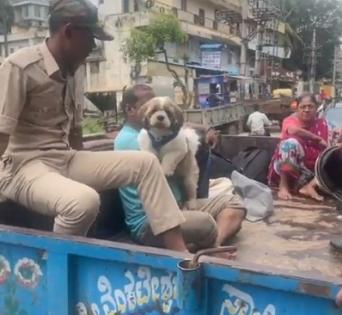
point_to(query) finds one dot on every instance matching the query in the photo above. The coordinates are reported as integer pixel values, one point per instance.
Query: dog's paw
(191, 205)
(168, 171)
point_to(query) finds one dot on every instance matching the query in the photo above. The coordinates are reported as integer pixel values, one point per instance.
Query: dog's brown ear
(179, 118)
(143, 112)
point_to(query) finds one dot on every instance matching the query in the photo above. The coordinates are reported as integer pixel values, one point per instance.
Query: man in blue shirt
(211, 225)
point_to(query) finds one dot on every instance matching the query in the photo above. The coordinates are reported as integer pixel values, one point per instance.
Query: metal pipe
(224, 249)
(189, 281)
(189, 288)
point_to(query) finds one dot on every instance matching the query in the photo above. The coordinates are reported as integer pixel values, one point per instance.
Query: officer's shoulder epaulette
(25, 57)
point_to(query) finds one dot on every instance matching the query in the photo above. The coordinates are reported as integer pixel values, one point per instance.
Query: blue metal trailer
(284, 266)
(45, 274)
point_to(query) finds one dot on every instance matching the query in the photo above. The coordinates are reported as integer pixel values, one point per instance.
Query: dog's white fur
(161, 118)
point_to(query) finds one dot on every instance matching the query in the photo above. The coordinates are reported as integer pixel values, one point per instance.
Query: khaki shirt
(38, 107)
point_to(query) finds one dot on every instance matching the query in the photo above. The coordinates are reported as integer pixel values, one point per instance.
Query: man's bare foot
(284, 194)
(310, 191)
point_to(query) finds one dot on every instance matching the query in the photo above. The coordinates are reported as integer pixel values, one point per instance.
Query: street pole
(244, 34)
(313, 60)
(334, 70)
(275, 26)
(5, 37)
(258, 52)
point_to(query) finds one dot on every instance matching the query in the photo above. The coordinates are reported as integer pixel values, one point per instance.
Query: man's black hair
(129, 96)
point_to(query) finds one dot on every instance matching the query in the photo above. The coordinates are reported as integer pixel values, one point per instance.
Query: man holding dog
(214, 221)
(40, 135)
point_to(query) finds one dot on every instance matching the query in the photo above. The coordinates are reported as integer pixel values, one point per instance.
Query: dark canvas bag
(251, 162)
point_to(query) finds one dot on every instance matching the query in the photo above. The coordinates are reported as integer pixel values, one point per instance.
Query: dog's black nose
(160, 117)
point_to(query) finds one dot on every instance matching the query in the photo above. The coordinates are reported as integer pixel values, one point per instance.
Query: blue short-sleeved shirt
(135, 215)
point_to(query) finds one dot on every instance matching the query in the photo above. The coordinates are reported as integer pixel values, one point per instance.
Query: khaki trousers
(200, 228)
(64, 184)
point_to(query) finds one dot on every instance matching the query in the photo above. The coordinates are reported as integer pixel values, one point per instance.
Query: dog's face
(162, 113)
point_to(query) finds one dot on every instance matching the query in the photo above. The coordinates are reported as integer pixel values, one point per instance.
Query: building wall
(109, 73)
(18, 40)
(107, 7)
(30, 25)
(112, 74)
(31, 12)
(194, 6)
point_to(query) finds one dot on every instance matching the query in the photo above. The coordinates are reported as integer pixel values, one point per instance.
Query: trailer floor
(295, 238)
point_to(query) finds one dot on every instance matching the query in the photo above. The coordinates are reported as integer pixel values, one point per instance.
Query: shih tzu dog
(174, 145)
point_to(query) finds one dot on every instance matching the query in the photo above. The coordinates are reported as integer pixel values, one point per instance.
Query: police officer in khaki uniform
(40, 133)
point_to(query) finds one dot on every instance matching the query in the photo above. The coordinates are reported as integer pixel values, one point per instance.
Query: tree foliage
(6, 16)
(166, 28)
(303, 16)
(150, 40)
(144, 43)
(6, 20)
(290, 40)
(140, 46)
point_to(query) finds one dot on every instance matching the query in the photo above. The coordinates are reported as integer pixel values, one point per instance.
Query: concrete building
(212, 47)
(30, 25)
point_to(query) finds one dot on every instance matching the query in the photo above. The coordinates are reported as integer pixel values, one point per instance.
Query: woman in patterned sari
(303, 138)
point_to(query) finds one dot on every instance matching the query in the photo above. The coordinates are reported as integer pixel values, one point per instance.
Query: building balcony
(234, 5)
(16, 3)
(132, 20)
(191, 24)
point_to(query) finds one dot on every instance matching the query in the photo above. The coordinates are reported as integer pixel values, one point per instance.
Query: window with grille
(230, 57)
(37, 11)
(215, 25)
(94, 67)
(184, 5)
(25, 11)
(201, 16)
(136, 5)
(125, 6)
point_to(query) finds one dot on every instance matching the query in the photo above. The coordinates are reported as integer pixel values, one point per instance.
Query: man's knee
(77, 211)
(148, 159)
(83, 206)
(147, 163)
(207, 230)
